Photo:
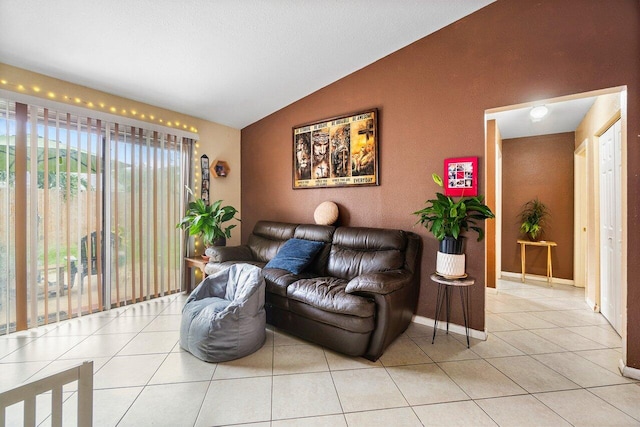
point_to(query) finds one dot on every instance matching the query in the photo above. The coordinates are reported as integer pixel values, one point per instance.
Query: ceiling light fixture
(538, 113)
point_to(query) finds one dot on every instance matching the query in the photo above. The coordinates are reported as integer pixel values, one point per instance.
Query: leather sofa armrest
(229, 253)
(380, 283)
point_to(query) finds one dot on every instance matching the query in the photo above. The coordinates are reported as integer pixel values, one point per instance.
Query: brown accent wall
(431, 98)
(538, 166)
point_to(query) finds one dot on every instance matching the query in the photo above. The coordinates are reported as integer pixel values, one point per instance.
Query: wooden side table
(189, 263)
(445, 287)
(523, 255)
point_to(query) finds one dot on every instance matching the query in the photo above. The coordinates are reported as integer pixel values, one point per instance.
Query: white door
(611, 225)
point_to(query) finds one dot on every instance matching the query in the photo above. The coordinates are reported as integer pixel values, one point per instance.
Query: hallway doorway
(604, 107)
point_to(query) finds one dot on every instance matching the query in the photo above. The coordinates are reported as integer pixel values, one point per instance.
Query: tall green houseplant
(448, 219)
(533, 215)
(206, 221)
(445, 217)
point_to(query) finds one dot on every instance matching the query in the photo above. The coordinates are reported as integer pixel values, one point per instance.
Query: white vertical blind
(32, 214)
(7, 185)
(103, 199)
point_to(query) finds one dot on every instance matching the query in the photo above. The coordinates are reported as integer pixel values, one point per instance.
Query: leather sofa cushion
(328, 294)
(274, 230)
(318, 233)
(268, 237)
(278, 280)
(361, 325)
(357, 251)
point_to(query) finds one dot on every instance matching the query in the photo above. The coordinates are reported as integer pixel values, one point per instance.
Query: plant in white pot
(448, 219)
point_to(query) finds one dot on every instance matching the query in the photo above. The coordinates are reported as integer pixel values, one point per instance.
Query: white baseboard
(628, 372)
(593, 305)
(457, 329)
(512, 275)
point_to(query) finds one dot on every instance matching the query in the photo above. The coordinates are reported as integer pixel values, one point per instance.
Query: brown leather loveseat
(357, 295)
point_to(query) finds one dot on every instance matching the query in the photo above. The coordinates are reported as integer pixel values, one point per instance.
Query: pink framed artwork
(461, 176)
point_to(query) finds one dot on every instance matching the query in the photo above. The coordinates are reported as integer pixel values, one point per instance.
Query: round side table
(445, 287)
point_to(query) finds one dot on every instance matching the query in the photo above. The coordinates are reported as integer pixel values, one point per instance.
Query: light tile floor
(548, 360)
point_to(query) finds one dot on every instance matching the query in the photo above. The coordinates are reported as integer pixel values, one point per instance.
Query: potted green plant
(206, 221)
(448, 219)
(533, 216)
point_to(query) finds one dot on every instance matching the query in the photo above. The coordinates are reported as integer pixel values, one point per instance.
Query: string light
(79, 100)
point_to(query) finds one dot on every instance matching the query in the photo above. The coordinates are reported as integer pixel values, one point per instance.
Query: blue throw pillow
(295, 255)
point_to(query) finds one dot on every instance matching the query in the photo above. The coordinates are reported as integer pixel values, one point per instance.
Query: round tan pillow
(326, 213)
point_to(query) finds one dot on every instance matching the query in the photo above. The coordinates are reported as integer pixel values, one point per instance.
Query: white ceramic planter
(450, 265)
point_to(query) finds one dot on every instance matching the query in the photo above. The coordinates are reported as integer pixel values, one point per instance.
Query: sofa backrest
(268, 237)
(318, 233)
(359, 250)
(349, 251)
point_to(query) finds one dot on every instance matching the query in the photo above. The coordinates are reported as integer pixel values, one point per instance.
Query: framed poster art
(204, 186)
(461, 176)
(337, 152)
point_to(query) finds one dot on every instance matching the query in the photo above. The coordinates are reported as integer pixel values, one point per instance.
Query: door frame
(493, 185)
(580, 229)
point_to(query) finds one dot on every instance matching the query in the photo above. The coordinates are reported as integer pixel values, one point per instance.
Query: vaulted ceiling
(228, 61)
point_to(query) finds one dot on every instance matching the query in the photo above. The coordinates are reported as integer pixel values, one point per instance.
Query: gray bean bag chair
(224, 317)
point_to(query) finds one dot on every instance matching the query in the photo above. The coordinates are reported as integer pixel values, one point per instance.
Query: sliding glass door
(88, 209)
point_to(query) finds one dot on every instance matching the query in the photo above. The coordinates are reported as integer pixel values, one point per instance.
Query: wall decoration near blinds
(204, 188)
